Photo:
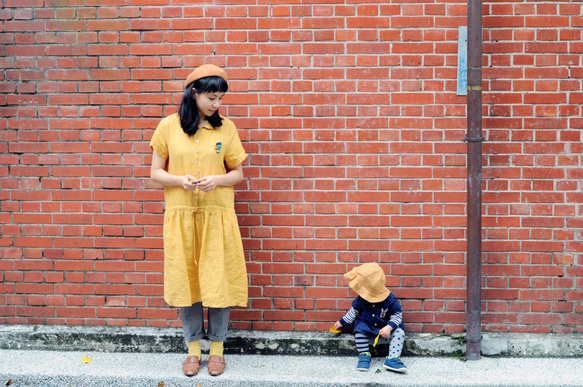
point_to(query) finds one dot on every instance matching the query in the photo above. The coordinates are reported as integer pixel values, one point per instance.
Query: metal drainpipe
(474, 205)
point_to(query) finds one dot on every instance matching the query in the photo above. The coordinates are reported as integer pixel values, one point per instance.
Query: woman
(197, 156)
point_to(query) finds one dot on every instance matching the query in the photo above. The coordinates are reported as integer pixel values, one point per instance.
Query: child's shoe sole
(400, 370)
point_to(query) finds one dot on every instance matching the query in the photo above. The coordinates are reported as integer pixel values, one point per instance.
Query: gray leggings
(193, 323)
(397, 339)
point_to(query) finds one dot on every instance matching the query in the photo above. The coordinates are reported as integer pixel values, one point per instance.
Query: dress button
(196, 197)
(196, 162)
(196, 140)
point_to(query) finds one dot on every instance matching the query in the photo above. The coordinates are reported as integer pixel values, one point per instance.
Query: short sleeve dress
(203, 252)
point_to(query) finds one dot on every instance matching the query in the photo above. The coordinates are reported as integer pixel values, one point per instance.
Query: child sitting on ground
(376, 311)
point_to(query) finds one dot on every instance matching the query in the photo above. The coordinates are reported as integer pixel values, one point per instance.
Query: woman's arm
(188, 182)
(159, 174)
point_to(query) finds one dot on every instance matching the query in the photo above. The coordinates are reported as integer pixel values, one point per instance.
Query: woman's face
(208, 103)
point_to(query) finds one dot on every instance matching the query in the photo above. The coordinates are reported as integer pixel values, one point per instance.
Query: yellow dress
(203, 251)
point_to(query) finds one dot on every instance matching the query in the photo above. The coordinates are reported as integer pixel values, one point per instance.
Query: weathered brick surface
(355, 133)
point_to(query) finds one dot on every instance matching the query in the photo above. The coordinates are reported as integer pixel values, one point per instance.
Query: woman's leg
(192, 322)
(218, 325)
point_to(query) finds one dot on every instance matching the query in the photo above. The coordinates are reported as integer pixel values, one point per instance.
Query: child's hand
(386, 331)
(337, 325)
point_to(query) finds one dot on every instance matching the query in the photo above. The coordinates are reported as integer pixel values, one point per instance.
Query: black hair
(188, 112)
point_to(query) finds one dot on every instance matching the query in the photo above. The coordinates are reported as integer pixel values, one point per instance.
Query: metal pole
(474, 200)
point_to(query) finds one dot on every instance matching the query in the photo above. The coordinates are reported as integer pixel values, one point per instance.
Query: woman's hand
(386, 331)
(208, 183)
(337, 325)
(188, 182)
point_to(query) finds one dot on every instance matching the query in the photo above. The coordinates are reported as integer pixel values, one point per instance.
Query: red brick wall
(355, 134)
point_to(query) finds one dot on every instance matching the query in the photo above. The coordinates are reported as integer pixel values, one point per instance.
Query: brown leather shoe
(216, 365)
(191, 365)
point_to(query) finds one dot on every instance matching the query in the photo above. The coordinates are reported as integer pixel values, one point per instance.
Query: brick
(356, 155)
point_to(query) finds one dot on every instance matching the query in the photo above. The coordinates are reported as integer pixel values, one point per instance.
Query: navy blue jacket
(370, 318)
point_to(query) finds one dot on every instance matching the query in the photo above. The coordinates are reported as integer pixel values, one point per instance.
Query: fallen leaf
(378, 371)
(86, 359)
(9, 383)
(161, 384)
(334, 330)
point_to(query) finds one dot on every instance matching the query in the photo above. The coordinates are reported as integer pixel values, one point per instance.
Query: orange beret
(207, 70)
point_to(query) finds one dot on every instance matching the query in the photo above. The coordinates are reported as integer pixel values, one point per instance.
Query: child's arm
(395, 319)
(348, 319)
(393, 323)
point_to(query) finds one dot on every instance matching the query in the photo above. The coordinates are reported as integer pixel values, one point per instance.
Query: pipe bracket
(468, 340)
(474, 139)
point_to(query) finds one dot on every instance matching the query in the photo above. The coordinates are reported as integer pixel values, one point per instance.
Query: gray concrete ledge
(24, 368)
(169, 340)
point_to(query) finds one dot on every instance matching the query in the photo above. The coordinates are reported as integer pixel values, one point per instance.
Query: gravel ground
(20, 368)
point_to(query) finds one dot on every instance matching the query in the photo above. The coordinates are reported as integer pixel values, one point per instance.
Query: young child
(376, 311)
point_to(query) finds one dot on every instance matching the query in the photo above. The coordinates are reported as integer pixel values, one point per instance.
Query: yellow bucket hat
(368, 281)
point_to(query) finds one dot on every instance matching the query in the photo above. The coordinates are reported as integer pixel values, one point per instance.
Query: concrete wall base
(170, 340)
